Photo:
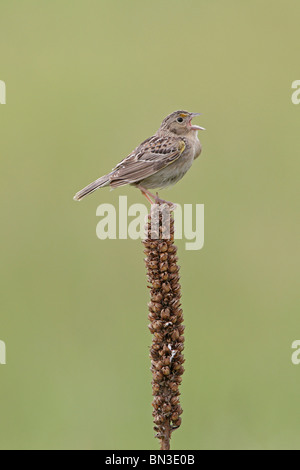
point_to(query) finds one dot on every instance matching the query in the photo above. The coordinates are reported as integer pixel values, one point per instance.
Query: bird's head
(180, 123)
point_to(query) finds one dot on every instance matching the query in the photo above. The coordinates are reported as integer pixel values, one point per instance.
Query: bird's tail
(99, 183)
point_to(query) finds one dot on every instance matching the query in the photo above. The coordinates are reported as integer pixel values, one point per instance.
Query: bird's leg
(158, 200)
(147, 194)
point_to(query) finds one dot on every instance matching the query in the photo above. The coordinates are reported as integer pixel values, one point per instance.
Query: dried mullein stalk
(166, 319)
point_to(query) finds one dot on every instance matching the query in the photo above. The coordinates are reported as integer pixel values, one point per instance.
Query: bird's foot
(155, 199)
(158, 200)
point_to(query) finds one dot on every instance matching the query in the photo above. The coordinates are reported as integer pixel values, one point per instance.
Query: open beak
(196, 128)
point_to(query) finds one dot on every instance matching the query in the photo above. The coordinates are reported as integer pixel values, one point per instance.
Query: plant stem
(166, 319)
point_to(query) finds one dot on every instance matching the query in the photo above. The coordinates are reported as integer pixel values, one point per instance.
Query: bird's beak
(196, 128)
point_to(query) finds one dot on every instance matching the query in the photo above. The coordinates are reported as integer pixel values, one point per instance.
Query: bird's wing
(151, 156)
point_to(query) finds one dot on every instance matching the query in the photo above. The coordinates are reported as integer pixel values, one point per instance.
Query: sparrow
(158, 162)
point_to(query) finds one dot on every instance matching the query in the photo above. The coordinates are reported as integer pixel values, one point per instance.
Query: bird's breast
(192, 147)
(194, 144)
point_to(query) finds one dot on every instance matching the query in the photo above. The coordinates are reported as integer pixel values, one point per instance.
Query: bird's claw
(160, 201)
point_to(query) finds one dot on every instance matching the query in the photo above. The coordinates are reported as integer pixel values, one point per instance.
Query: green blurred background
(86, 82)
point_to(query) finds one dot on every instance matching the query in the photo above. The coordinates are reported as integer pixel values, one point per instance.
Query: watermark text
(296, 354)
(129, 222)
(296, 94)
(2, 353)
(2, 92)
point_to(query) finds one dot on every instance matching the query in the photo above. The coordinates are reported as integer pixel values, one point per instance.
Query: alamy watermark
(296, 354)
(2, 353)
(296, 95)
(129, 222)
(2, 92)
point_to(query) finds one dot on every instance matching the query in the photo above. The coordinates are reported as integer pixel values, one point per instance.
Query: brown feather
(151, 156)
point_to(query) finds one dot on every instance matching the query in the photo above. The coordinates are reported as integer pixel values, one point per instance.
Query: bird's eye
(179, 119)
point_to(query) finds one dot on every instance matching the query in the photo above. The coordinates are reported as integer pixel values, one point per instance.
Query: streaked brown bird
(158, 162)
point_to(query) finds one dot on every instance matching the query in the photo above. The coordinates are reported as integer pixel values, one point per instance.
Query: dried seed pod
(157, 325)
(151, 316)
(174, 401)
(164, 276)
(166, 287)
(162, 247)
(175, 335)
(166, 370)
(167, 407)
(163, 266)
(158, 365)
(157, 376)
(157, 296)
(165, 315)
(156, 283)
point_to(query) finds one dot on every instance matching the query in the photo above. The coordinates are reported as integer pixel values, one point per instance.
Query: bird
(158, 162)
